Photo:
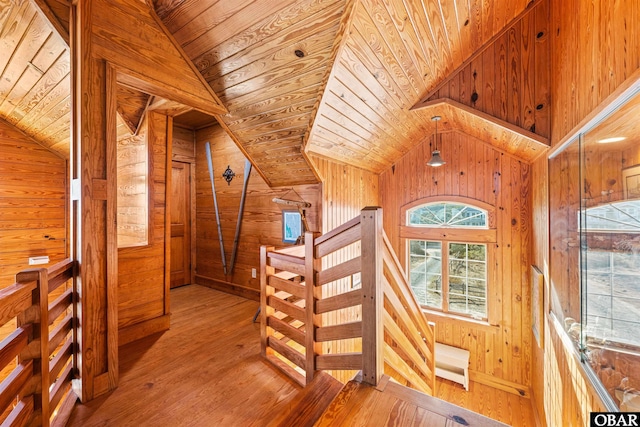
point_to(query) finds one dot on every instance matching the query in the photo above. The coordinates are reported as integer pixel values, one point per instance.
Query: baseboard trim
(230, 288)
(143, 329)
(499, 383)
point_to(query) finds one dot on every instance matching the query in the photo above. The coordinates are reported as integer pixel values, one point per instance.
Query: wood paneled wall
(510, 77)
(114, 42)
(33, 204)
(142, 288)
(346, 191)
(595, 48)
(261, 222)
(500, 354)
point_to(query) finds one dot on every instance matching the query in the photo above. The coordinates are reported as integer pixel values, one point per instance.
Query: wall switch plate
(36, 260)
(253, 273)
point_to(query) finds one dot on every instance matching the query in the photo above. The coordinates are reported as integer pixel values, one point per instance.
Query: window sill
(467, 322)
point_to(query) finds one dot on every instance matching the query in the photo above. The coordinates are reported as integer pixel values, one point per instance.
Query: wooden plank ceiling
(367, 73)
(336, 78)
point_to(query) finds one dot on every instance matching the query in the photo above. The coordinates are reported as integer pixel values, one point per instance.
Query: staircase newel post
(312, 320)
(372, 295)
(265, 291)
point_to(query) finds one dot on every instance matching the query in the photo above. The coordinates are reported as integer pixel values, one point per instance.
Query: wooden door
(180, 224)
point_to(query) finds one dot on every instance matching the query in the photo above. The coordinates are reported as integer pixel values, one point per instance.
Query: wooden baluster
(312, 320)
(372, 295)
(38, 315)
(265, 292)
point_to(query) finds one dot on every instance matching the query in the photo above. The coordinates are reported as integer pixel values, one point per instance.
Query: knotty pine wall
(33, 208)
(143, 302)
(595, 52)
(346, 191)
(33, 203)
(115, 42)
(509, 78)
(500, 354)
(262, 218)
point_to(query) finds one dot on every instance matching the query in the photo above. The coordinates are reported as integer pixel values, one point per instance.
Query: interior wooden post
(40, 321)
(311, 319)
(94, 244)
(265, 292)
(372, 295)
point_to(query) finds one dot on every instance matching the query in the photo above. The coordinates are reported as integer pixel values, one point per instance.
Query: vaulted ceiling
(333, 78)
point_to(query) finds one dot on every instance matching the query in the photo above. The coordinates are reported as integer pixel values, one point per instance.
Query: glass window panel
(457, 285)
(598, 305)
(434, 299)
(598, 261)
(426, 271)
(458, 251)
(477, 288)
(599, 284)
(457, 268)
(625, 263)
(457, 303)
(626, 309)
(477, 307)
(448, 214)
(477, 270)
(625, 285)
(478, 252)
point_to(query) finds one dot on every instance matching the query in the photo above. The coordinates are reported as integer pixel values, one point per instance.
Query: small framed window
(453, 280)
(447, 214)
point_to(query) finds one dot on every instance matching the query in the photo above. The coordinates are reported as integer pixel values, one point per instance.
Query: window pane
(425, 274)
(449, 214)
(477, 270)
(477, 288)
(458, 251)
(457, 285)
(477, 307)
(468, 279)
(478, 252)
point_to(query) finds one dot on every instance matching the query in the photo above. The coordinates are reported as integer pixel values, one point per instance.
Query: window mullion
(445, 277)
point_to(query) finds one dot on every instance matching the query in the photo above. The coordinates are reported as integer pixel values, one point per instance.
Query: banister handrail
(40, 385)
(388, 309)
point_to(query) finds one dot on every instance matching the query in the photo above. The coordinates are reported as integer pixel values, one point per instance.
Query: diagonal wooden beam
(43, 7)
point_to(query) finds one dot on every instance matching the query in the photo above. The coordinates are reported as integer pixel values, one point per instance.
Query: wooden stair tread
(360, 403)
(310, 403)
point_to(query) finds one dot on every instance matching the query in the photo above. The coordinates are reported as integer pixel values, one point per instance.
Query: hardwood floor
(516, 411)
(205, 371)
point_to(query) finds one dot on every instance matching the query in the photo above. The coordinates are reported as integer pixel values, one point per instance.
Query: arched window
(447, 214)
(448, 250)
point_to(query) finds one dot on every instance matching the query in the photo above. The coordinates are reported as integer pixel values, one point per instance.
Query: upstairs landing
(391, 404)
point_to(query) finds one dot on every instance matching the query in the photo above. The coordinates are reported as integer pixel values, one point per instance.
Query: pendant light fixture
(436, 160)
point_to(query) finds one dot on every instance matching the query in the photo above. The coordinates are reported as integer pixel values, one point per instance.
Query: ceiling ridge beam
(529, 146)
(424, 100)
(43, 8)
(185, 58)
(338, 46)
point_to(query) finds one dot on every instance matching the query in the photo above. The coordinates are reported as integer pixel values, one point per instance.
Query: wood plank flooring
(516, 411)
(205, 371)
(391, 404)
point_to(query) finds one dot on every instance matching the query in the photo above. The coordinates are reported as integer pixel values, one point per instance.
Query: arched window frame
(447, 235)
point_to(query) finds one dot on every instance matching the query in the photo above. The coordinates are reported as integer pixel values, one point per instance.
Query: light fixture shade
(436, 160)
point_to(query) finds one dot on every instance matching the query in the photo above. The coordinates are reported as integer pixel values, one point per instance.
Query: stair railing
(39, 355)
(393, 334)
